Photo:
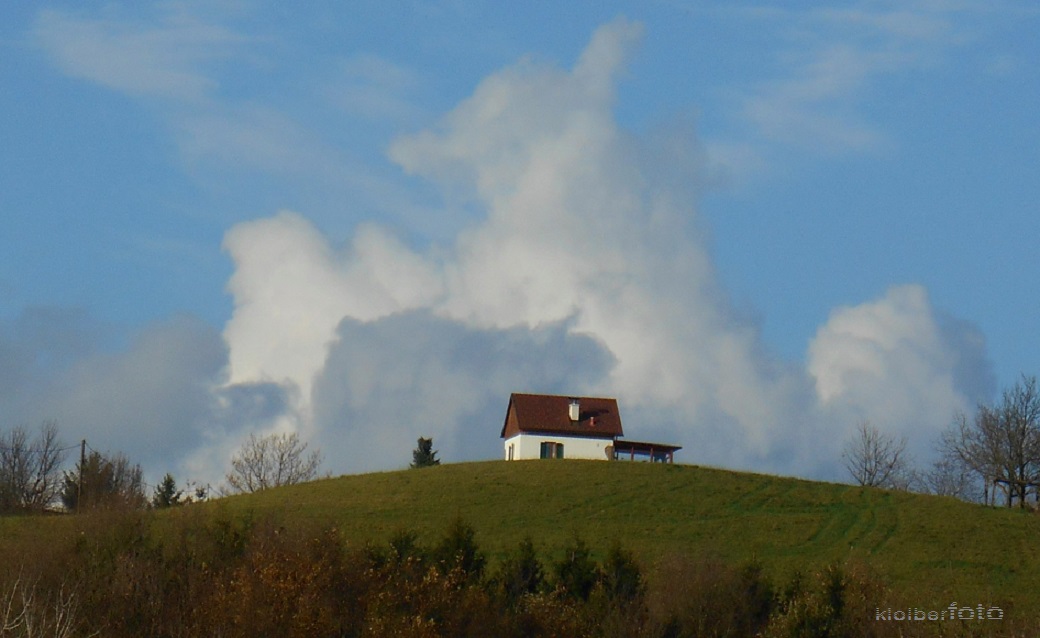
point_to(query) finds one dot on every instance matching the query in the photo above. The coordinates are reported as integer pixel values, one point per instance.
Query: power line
(11, 448)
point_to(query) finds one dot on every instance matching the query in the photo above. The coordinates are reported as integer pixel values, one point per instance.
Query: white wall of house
(529, 446)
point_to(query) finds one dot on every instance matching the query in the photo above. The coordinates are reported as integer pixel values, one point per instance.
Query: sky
(756, 225)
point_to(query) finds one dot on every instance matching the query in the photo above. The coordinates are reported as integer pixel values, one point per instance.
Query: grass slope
(930, 549)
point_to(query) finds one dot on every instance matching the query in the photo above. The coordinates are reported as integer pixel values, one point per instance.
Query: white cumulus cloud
(592, 231)
(899, 364)
(586, 270)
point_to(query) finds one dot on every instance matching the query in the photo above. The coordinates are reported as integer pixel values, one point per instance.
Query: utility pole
(82, 462)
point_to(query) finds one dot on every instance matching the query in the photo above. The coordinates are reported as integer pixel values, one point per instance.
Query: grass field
(931, 550)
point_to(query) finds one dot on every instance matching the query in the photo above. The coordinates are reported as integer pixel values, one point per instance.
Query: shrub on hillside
(520, 574)
(458, 551)
(576, 573)
(835, 601)
(290, 582)
(547, 614)
(621, 578)
(708, 597)
(198, 571)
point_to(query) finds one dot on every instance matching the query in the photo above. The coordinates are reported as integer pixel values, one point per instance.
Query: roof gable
(597, 417)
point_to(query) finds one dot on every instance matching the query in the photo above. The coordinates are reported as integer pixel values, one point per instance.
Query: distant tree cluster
(1000, 444)
(168, 494)
(33, 477)
(103, 480)
(995, 451)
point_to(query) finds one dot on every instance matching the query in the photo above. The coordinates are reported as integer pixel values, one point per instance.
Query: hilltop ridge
(933, 547)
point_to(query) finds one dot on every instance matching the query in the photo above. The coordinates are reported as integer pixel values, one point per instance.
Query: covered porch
(653, 452)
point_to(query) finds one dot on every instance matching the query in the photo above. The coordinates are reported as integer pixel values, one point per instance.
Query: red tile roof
(598, 417)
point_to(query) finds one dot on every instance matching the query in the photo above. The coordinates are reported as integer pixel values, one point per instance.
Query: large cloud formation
(164, 399)
(586, 272)
(387, 382)
(898, 363)
(583, 270)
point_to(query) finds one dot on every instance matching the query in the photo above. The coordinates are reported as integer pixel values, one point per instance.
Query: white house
(541, 426)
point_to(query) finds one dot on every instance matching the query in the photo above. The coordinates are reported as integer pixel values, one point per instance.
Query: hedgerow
(202, 572)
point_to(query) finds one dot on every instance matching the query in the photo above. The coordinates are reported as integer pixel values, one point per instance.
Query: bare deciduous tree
(875, 459)
(949, 476)
(30, 469)
(1002, 443)
(271, 461)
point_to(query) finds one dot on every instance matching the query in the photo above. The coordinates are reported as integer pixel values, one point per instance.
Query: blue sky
(755, 224)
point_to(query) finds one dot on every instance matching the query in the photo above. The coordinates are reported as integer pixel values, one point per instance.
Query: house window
(551, 450)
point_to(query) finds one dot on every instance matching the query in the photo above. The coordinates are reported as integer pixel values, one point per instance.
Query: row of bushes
(194, 573)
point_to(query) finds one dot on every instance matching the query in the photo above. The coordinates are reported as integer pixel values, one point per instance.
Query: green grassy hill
(932, 550)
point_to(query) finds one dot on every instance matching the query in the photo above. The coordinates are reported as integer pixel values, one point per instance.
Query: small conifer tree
(424, 455)
(459, 550)
(521, 573)
(577, 572)
(166, 493)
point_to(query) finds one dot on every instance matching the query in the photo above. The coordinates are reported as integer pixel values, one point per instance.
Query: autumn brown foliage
(196, 571)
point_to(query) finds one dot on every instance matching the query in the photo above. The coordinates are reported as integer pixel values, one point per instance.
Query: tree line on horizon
(995, 450)
(32, 480)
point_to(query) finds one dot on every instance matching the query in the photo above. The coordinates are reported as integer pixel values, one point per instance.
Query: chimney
(575, 409)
